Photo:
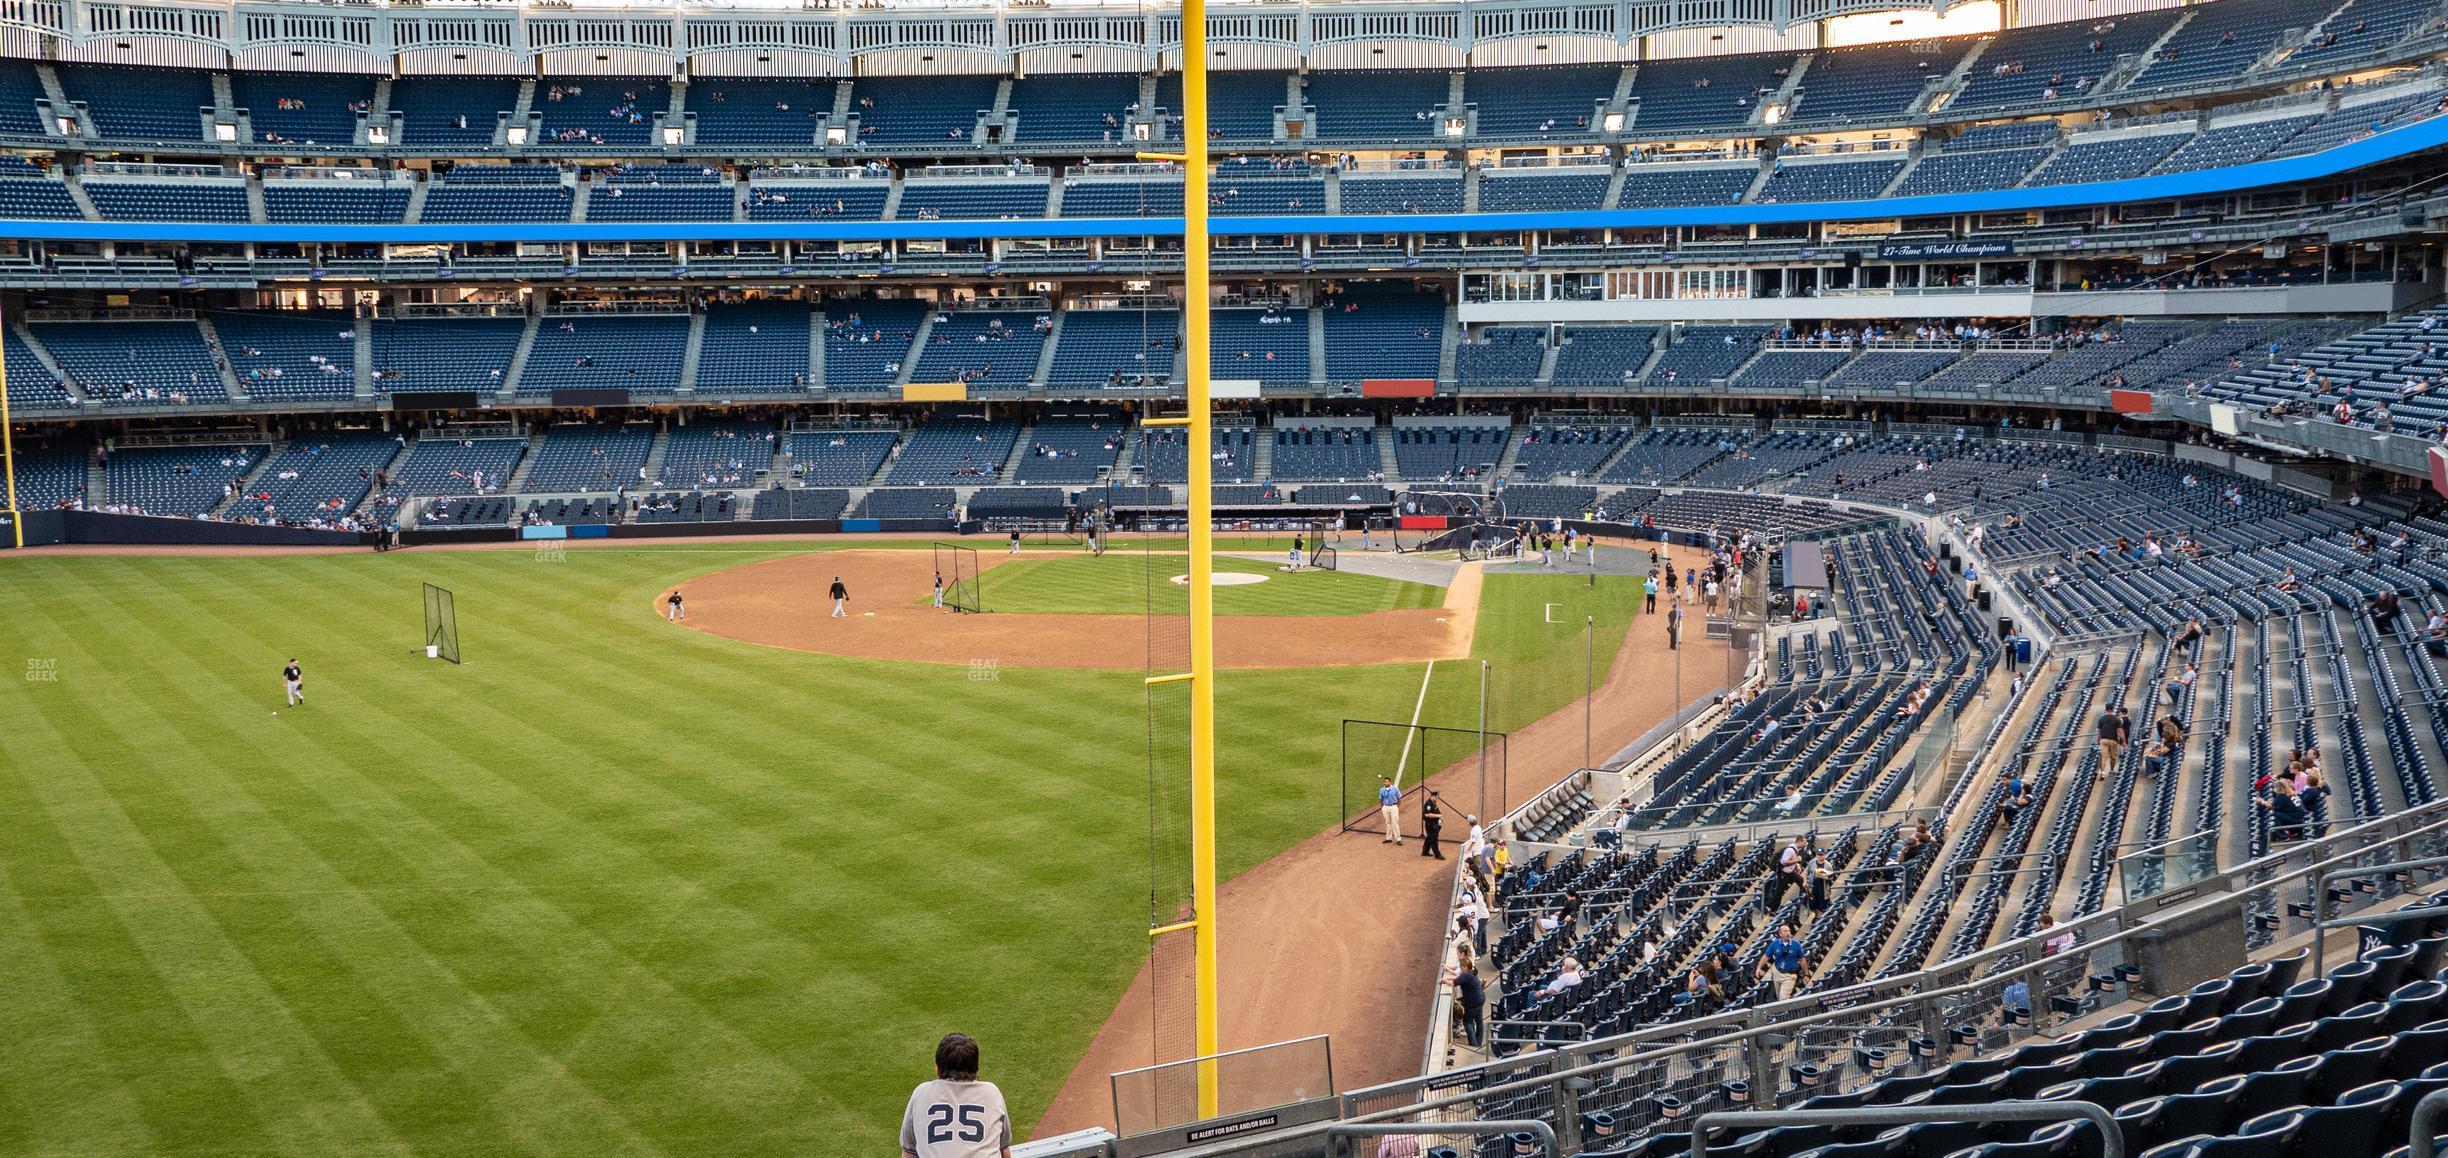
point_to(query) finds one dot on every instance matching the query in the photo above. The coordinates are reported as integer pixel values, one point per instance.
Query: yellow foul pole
(1195, 304)
(1199, 425)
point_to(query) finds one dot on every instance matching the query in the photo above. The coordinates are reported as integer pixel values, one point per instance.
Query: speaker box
(1981, 597)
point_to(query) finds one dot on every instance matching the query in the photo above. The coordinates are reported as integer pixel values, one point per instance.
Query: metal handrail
(1741, 1029)
(2112, 1132)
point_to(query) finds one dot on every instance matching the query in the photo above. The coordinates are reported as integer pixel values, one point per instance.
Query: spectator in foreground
(956, 1115)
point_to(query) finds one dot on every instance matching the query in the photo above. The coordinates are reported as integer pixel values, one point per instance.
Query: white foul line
(1413, 732)
(1550, 612)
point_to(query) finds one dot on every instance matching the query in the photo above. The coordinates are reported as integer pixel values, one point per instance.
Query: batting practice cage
(1323, 559)
(958, 567)
(441, 624)
(1409, 754)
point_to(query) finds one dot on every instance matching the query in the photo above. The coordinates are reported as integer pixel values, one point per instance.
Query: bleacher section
(141, 104)
(316, 480)
(1115, 347)
(444, 353)
(951, 449)
(346, 202)
(754, 348)
(1542, 190)
(759, 111)
(987, 349)
(589, 457)
(637, 353)
(1377, 334)
(615, 111)
(1324, 454)
(489, 193)
(438, 112)
(707, 454)
(291, 355)
(134, 363)
(843, 457)
(1086, 107)
(305, 108)
(178, 480)
(1535, 102)
(866, 340)
(1266, 345)
(1443, 453)
(913, 109)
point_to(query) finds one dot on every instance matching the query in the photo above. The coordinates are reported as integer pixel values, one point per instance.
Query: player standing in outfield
(294, 679)
(676, 612)
(1389, 806)
(1015, 541)
(956, 1115)
(841, 599)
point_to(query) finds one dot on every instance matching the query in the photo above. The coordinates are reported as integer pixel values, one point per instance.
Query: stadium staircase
(1448, 342)
(256, 214)
(841, 100)
(362, 357)
(225, 103)
(247, 482)
(1317, 346)
(1470, 189)
(1759, 180)
(918, 341)
(1547, 357)
(1010, 470)
(526, 346)
(1912, 161)
(416, 202)
(220, 357)
(84, 202)
(690, 354)
(1504, 458)
(1388, 463)
(654, 457)
(1262, 455)
(97, 480)
(377, 113)
(43, 358)
(1784, 95)
(892, 205)
(1334, 191)
(1053, 338)
(526, 465)
(1632, 109)
(1054, 200)
(883, 469)
(581, 193)
(1945, 89)
(1608, 463)
(521, 113)
(816, 345)
(2125, 71)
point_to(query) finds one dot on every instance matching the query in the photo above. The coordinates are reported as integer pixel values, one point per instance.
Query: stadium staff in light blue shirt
(1785, 952)
(1389, 806)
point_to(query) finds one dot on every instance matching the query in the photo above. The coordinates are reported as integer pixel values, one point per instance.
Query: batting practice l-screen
(958, 566)
(441, 624)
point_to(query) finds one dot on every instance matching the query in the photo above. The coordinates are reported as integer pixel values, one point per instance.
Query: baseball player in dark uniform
(294, 679)
(841, 599)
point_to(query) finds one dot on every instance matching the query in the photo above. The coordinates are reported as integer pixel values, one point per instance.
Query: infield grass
(612, 887)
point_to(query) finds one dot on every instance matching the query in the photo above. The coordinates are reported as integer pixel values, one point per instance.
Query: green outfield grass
(611, 887)
(1120, 583)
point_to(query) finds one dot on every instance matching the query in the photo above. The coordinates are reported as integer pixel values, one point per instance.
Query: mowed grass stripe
(300, 1101)
(355, 979)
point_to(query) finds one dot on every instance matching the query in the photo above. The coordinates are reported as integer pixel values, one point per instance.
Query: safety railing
(1829, 1041)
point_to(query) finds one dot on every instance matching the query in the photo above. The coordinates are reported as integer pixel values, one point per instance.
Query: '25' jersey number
(946, 1121)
